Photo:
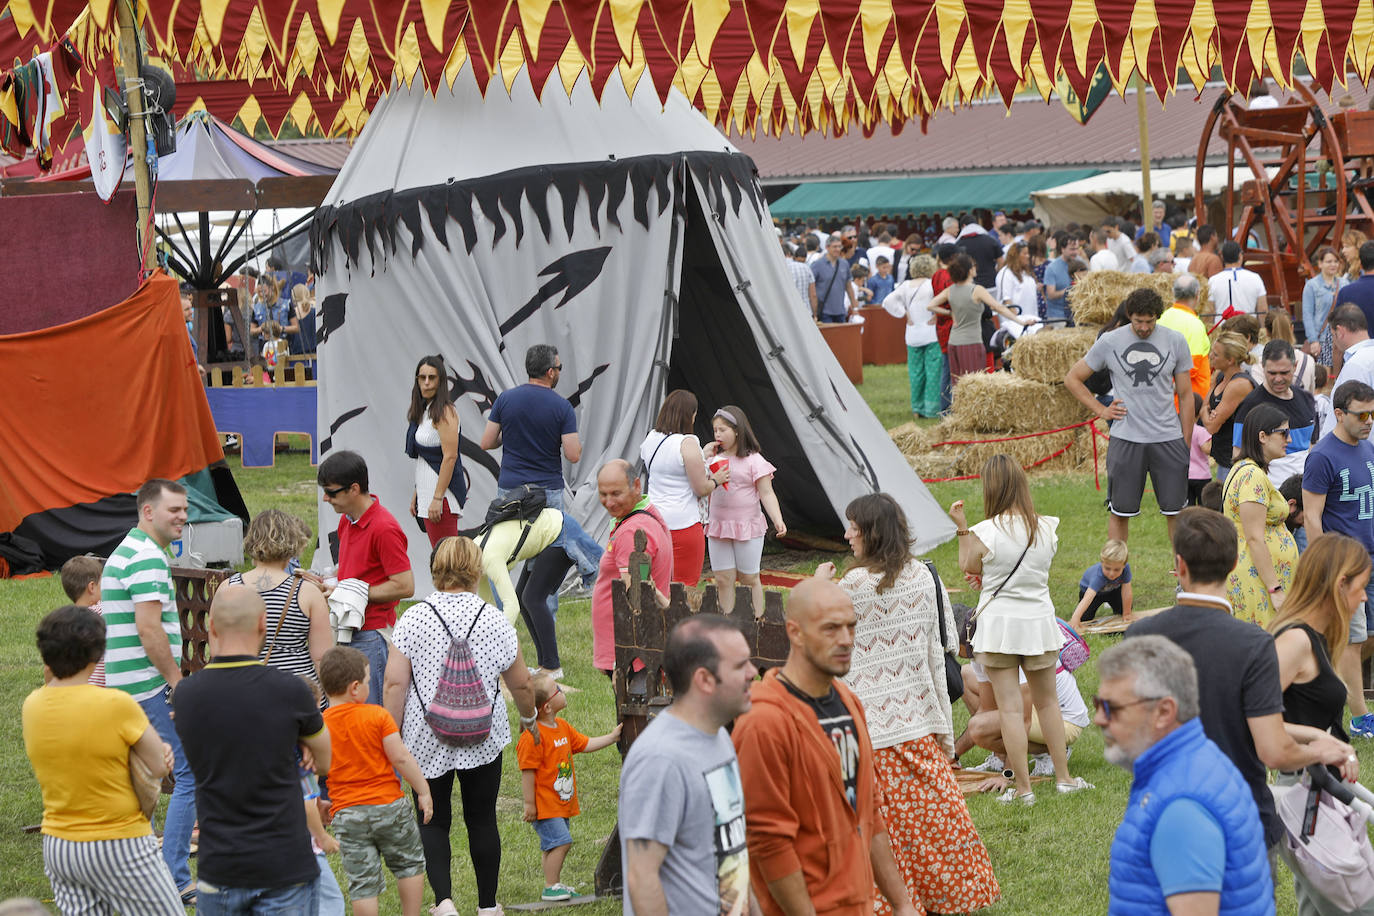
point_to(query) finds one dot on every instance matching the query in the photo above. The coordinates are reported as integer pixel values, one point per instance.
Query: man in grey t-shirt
(1149, 367)
(682, 840)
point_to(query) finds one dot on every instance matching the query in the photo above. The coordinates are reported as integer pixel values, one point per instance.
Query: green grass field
(1049, 859)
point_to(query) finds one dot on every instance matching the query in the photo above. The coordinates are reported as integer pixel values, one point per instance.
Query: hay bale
(1025, 452)
(932, 460)
(1000, 402)
(1095, 299)
(1047, 356)
(910, 439)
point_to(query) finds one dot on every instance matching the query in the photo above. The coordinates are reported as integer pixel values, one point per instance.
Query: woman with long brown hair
(1015, 285)
(1318, 300)
(1351, 240)
(1310, 633)
(432, 441)
(1009, 553)
(677, 478)
(898, 671)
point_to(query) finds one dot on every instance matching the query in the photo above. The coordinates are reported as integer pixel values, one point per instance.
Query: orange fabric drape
(100, 405)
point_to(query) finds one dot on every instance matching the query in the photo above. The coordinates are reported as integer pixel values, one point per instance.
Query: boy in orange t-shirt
(546, 776)
(372, 820)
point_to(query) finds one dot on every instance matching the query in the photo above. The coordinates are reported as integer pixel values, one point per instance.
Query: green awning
(896, 197)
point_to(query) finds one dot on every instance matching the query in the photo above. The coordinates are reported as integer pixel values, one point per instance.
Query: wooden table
(884, 337)
(846, 342)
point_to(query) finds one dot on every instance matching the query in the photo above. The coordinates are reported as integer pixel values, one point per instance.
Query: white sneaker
(444, 907)
(993, 764)
(1043, 765)
(1010, 797)
(1077, 784)
(491, 911)
(555, 673)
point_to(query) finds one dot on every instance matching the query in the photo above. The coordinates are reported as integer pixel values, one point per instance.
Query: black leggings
(538, 582)
(479, 788)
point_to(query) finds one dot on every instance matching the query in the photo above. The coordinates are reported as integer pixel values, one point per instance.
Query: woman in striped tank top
(298, 628)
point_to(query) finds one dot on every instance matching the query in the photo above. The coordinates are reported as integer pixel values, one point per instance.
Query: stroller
(1326, 837)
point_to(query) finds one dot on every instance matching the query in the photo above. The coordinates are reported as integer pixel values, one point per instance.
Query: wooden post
(132, 58)
(1147, 211)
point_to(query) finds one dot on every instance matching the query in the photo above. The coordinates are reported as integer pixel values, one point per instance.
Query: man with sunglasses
(1279, 361)
(1190, 841)
(1240, 698)
(1338, 495)
(372, 548)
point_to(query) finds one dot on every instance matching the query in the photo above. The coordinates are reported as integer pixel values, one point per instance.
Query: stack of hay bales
(999, 405)
(1094, 299)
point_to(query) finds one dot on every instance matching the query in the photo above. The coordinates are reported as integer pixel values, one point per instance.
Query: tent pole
(1147, 211)
(132, 57)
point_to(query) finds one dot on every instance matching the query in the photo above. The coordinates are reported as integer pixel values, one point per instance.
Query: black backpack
(524, 505)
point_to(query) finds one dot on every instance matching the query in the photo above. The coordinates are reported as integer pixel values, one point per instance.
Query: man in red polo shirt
(372, 547)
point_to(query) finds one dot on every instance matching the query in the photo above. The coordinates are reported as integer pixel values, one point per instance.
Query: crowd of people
(828, 784)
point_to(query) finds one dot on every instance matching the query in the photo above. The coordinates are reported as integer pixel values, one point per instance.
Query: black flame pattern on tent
(730, 179)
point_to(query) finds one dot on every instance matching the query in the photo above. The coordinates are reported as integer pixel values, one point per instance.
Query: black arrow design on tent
(569, 275)
(328, 441)
(576, 397)
(331, 315)
(483, 394)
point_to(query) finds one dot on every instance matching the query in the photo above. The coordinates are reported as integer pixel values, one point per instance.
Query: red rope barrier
(1048, 432)
(1092, 424)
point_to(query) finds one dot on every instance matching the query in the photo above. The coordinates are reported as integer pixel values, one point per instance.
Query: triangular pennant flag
(105, 147)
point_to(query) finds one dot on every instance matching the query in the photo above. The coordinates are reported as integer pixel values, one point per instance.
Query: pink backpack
(460, 712)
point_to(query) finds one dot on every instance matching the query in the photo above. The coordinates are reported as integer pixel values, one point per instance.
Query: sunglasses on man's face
(1361, 415)
(332, 492)
(1109, 707)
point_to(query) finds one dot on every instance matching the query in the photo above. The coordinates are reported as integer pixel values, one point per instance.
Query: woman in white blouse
(421, 643)
(898, 671)
(677, 478)
(1009, 553)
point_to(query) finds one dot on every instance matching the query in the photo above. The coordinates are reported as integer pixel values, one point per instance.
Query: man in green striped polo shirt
(143, 646)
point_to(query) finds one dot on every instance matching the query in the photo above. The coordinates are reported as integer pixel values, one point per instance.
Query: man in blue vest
(1191, 840)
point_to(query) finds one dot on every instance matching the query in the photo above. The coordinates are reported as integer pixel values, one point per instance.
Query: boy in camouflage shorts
(372, 820)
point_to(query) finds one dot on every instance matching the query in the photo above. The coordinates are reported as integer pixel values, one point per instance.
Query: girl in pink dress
(735, 526)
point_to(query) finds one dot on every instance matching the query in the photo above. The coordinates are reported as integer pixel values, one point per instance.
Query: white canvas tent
(1112, 193)
(630, 235)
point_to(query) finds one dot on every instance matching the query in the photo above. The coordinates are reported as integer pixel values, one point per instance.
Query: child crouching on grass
(1107, 582)
(372, 819)
(546, 775)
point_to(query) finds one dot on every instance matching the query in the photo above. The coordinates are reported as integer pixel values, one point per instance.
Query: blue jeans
(372, 644)
(330, 896)
(946, 386)
(181, 810)
(292, 900)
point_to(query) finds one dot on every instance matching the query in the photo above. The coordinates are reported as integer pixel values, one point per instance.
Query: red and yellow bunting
(750, 65)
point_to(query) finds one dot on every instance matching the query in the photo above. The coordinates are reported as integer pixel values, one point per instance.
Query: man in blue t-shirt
(1057, 279)
(1338, 495)
(534, 428)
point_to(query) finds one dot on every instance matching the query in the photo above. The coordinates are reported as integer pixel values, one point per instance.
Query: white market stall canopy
(1112, 193)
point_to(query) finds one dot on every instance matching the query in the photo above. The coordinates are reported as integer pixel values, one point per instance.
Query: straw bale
(1024, 452)
(1047, 356)
(1095, 299)
(910, 439)
(1000, 402)
(932, 460)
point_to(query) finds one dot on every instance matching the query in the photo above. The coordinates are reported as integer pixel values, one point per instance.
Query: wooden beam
(202, 196)
(131, 55)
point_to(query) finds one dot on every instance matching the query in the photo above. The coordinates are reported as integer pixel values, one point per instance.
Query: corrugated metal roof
(330, 152)
(1032, 135)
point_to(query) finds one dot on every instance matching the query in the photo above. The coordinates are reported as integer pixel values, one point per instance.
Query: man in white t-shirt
(985, 725)
(1103, 258)
(1241, 289)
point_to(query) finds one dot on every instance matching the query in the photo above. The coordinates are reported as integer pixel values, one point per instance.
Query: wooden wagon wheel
(1273, 144)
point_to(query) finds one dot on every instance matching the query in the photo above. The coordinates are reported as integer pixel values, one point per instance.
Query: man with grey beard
(1191, 839)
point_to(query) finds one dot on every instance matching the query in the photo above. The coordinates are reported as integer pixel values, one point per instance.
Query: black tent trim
(730, 178)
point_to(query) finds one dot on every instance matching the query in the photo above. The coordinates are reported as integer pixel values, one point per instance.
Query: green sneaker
(556, 892)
